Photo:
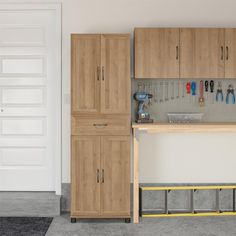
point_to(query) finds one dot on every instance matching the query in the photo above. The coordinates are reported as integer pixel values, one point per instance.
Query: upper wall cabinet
(85, 63)
(202, 53)
(230, 53)
(196, 53)
(101, 74)
(156, 53)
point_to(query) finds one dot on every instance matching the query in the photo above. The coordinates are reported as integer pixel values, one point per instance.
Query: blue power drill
(141, 115)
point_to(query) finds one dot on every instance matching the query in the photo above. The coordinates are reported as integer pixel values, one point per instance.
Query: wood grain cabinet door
(230, 53)
(156, 52)
(85, 176)
(115, 183)
(86, 72)
(116, 81)
(201, 53)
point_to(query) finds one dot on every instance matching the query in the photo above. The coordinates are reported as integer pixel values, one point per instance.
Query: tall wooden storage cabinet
(100, 124)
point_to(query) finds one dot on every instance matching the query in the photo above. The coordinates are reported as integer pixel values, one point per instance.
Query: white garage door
(30, 97)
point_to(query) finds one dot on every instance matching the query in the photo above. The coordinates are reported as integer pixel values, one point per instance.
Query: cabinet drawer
(115, 125)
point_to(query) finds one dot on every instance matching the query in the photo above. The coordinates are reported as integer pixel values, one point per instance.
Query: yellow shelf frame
(212, 187)
(218, 188)
(190, 214)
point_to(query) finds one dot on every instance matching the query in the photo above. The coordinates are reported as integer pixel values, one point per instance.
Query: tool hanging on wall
(201, 98)
(230, 97)
(188, 90)
(206, 89)
(177, 96)
(167, 92)
(193, 89)
(183, 89)
(212, 85)
(155, 93)
(219, 93)
(150, 92)
(172, 90)
(161, 92)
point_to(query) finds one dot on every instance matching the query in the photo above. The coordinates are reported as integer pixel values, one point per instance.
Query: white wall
(165, 158)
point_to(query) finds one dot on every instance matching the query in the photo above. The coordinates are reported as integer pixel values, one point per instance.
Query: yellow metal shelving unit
(192, 211)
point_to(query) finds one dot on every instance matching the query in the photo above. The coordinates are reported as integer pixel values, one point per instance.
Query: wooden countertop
(186, 127)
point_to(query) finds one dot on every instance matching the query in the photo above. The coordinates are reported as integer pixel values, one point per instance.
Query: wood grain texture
(156, 52)
(186, 128)
(116, 81)
(85, 72)
(101, 125)
(115, 180)
(85, 191)
(230, 53)
(136, 177)
(201, 53)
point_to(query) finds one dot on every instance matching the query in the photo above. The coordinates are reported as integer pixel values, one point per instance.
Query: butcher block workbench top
(186, 127)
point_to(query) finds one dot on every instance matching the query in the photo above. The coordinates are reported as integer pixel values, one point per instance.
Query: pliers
(230, 93)
(219, 93)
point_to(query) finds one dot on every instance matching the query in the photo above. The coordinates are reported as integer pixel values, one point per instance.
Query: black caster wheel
(73, 220)
(127, 220)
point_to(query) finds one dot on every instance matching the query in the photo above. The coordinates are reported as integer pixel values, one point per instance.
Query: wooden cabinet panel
(85, 166)
(102, 125)
(115, 182)
(156, 53)
(116, 82)
(230, 53)
(85, 62)
(202, 53)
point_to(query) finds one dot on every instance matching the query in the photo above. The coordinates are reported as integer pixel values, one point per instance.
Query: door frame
(56, 7)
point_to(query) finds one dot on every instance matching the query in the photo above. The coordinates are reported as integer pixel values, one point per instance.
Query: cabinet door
(116, 81)
(115, 182)
(156, 53)
(230, 53)
(202, 53)
(85, 62)
(85, 180)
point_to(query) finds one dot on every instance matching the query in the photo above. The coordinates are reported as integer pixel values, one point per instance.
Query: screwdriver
(188, 89)
(212, 90)
(206, 88)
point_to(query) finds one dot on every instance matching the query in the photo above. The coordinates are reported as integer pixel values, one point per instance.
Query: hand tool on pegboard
(161, 92)
(155, 93)
(183, 89)
(166, 91)
(219, 93)
(230, 97)
(201, 98)
(172, 90)
(188, 89)
(193, 89)
(206, 89)
(177, 96)
(212, 86)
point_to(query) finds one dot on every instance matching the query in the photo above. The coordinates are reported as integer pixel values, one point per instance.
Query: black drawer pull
(100, 124)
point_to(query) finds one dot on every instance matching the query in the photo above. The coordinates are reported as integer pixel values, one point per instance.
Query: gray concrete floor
(181, 226)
